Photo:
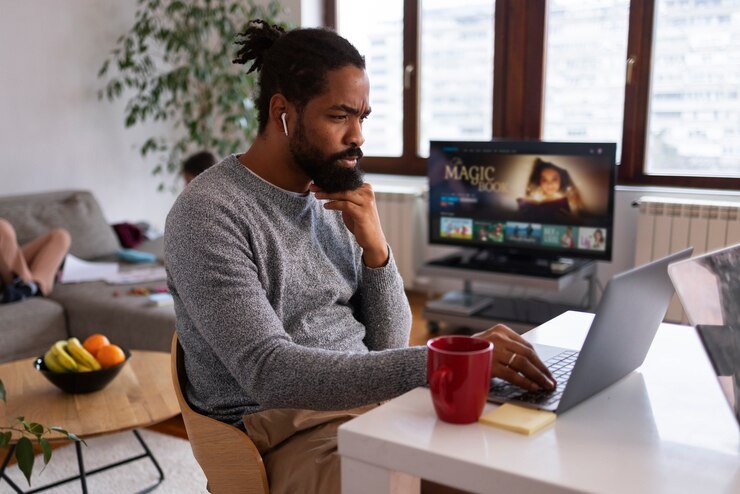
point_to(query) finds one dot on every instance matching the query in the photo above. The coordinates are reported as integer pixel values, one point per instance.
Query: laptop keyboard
(561, 365)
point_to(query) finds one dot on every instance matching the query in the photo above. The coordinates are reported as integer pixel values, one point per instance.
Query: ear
(279, 105)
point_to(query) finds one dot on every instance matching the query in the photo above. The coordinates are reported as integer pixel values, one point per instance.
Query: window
(694, 118)
(659, 77)
(430, 64)
(456, 86)
(584, 82)
(376, 30)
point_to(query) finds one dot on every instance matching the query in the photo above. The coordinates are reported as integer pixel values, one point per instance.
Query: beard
(326, 171)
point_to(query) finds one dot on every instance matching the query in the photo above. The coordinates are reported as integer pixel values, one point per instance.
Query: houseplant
(28, 431)
(175, 66)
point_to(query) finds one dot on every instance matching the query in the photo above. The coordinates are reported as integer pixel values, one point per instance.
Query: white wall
(54, 132)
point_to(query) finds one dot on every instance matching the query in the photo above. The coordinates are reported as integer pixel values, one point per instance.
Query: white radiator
(667, 225)
(401, 211)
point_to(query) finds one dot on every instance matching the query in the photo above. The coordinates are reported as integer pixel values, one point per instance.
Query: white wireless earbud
(285, 125)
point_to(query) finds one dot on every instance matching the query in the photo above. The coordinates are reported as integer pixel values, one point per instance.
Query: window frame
(519, 83)
(631, 170)
(409, 163)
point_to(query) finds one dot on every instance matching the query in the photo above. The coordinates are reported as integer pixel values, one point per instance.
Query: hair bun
(258, 37)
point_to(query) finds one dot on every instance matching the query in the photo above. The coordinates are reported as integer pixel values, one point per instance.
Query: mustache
(353, 152)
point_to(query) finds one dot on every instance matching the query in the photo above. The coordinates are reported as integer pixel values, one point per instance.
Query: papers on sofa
(77, 270)
(141, 275)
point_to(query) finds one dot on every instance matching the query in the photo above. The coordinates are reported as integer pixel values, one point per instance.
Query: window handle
(407, 72)
(630, 68)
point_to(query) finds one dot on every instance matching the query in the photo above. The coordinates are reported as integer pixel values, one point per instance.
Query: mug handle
(438, 384)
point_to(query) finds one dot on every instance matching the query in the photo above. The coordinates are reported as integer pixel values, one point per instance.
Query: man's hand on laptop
(515, 360)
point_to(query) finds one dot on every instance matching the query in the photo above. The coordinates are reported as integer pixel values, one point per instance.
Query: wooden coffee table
(140, 395)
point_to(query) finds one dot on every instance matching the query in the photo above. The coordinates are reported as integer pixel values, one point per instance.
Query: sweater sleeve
(384, 308)
(211, 268)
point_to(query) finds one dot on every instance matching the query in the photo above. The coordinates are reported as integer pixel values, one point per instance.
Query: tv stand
(477, 311)
(491, 261)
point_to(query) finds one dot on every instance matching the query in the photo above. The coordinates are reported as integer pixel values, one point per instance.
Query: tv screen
(544, 199)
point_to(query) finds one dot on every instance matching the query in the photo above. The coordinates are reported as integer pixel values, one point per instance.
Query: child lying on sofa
(29, 270)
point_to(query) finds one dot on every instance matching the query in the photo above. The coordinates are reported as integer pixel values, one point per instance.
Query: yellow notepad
(518, 419)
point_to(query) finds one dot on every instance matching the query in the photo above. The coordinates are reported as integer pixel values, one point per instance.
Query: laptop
(709, 289)
(627, 318)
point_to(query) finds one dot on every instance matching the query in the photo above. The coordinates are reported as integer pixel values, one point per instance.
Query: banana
(84, 368)
(59, 350)
(52, 363)
(82, 356)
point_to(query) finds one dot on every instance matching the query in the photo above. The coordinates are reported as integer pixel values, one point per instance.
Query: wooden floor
(419, 336)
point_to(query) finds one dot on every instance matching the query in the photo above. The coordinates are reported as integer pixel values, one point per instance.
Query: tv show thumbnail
(459, 228)
(489, 231)
(564, 237)
(592, 238)
(524, 233)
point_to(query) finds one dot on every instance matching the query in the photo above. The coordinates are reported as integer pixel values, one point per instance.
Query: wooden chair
(229, 459)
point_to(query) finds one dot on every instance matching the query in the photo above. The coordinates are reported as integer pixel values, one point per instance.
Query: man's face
(325, 144)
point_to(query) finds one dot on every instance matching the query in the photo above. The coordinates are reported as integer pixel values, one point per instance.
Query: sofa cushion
(77, 211)
(126, 320)
(28, 328)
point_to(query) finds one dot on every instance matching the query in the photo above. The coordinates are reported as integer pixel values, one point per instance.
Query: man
(290, 310)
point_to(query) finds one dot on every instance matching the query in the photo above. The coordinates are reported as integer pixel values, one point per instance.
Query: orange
(110, 355)
(93, 343)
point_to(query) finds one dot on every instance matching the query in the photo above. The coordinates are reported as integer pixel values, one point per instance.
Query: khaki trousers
(299, 447)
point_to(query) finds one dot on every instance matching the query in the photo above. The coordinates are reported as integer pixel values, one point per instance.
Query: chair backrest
(229, 459)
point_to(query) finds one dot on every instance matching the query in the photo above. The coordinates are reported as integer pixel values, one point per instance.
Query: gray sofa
(29, 327)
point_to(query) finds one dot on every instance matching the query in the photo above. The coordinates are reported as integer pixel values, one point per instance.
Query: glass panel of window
(585, 70)
(376, 30)
(456, 73)
(694, 117)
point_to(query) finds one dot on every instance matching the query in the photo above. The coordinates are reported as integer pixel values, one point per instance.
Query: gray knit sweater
(274, 306)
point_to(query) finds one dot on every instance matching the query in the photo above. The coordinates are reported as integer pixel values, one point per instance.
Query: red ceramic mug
(459, 374)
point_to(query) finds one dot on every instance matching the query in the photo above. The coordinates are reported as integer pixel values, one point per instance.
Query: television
(523, 199)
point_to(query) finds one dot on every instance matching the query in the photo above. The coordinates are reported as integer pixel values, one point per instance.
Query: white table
(646, 433)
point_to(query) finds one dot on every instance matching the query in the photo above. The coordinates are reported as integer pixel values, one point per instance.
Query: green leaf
(5, 439)
(46, 448)
(68, 434)
(25, 423)
(174, 7)
(35, 429)
(2, 390)
(148, 146)
(24, 456)
(104, 69)
(74, 437)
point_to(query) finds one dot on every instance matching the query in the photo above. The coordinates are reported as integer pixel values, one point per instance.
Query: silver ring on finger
(511, 360)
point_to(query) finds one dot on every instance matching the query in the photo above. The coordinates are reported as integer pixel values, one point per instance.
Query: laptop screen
(709, 289)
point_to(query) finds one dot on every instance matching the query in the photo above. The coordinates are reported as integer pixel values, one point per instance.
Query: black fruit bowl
(80, 382)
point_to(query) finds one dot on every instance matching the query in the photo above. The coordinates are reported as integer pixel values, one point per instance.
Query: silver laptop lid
(709, 289)
(627, 318)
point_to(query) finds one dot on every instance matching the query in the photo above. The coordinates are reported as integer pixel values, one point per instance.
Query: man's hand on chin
(360, 216)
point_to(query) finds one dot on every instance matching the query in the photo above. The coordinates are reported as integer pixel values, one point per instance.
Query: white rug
(182, 475)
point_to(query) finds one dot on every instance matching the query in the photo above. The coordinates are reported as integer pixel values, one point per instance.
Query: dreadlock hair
(294, 63)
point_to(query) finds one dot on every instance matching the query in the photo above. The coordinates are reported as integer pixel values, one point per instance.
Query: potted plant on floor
(175, 66)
